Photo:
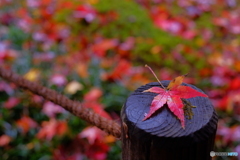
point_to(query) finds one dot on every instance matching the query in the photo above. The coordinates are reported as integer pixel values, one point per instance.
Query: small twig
(155, 76)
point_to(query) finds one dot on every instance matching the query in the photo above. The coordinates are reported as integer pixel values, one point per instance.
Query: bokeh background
(94, 51)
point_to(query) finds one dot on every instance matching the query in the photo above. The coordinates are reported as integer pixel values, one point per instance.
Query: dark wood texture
(161, 137)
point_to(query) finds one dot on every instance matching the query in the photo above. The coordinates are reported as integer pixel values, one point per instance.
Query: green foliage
(134, 20)
(17, 37)
(115, 152)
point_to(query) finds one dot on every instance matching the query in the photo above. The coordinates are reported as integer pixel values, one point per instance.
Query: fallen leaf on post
(172, 97)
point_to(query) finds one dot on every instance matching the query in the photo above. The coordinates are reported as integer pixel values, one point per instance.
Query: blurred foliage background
(94, 51)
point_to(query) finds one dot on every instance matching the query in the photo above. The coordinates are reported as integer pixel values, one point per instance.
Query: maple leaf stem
(155, 76)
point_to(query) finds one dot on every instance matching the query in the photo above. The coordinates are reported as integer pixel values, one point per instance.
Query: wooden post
(161, 137)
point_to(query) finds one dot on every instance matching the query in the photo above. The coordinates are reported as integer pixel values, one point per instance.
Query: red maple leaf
(172, 97)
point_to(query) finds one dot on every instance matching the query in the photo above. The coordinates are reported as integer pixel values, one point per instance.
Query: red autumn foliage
(26, 123)
(97, 148)
(4, 140)
(120, 70)
(94, 148)
(91, 100)
(52, 128)
(11, 102)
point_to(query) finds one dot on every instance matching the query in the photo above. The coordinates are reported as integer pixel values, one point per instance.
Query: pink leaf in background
(58, 79)
(4, 140)
(86, 12)
(11, 102)
(51, 109)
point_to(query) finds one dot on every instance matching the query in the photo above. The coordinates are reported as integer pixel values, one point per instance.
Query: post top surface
(164, 123)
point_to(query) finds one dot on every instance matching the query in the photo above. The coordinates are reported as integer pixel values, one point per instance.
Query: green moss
(188, 109)
(17, 37)
(205, 21)
(133, 20)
